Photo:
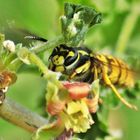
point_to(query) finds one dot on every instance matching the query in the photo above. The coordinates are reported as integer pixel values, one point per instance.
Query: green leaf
(76, 21)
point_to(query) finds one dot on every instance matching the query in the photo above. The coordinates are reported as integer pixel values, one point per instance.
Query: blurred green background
(121, 20)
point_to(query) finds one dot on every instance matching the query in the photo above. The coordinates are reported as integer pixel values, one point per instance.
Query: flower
(71, 104)
(76, 116)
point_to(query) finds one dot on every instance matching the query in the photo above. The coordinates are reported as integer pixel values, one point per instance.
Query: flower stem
(15, 65)
(2, 38)
(29, 57)
(38, 62)
(10, 57)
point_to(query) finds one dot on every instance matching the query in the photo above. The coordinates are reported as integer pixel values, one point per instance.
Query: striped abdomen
(118, 72)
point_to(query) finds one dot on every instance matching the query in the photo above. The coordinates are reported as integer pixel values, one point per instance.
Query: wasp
(81, 64)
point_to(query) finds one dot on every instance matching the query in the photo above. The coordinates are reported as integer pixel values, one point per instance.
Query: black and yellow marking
(81, 64)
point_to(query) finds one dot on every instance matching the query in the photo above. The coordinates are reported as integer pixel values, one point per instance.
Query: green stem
(15, 65)
(127, 28)
(28, 57)
(2, 38)
(38, 62)
(50, 44)
(10, 57)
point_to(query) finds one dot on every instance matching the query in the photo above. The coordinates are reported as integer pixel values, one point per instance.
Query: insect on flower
(81, 64)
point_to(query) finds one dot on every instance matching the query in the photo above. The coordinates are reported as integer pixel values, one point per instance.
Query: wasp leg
(95, 73)
(108, 82)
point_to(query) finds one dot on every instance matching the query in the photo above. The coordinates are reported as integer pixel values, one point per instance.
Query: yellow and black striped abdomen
(118, 72)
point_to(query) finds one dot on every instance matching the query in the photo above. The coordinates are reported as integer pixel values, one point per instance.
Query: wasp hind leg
(108, 82)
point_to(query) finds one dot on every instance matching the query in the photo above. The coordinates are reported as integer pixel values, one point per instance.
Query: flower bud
(9, 45)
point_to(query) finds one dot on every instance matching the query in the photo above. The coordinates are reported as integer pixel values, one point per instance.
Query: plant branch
(20, 116)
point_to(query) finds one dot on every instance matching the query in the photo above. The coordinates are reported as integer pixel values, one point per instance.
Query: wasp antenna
(36, 38)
